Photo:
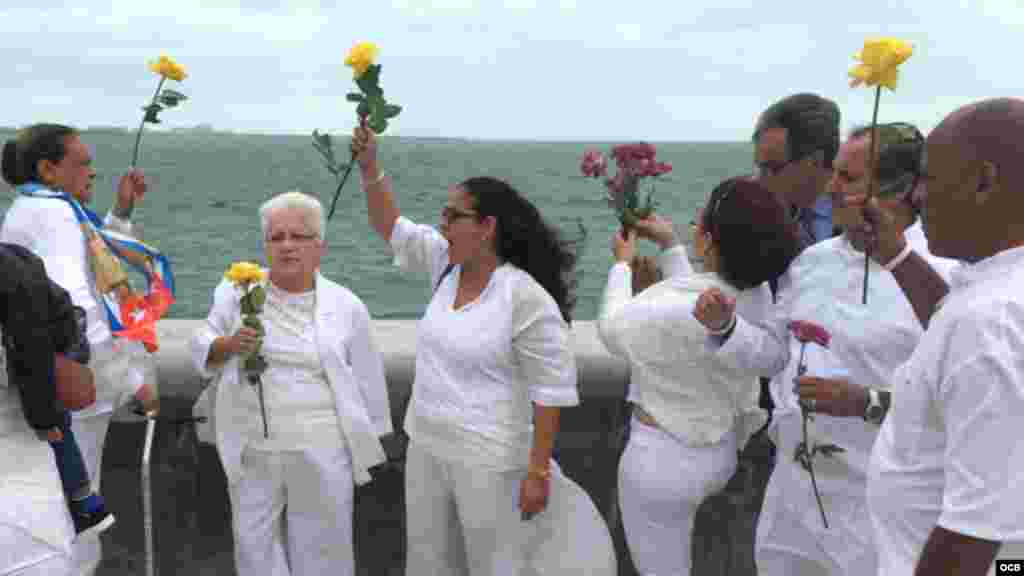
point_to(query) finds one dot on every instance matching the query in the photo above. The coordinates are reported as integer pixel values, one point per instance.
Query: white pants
(662, 482)
(23, 555)
(793, 541)
(292, 513)
(461, 520)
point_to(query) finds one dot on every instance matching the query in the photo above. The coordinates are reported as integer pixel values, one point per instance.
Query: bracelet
(892, 264)
(724, 330)
(541, 473)
(375, 181)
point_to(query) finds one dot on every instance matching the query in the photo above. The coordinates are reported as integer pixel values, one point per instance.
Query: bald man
(946, 477)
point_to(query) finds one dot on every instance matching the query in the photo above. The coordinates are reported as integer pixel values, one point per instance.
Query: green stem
(138, 135)
(344, 177)
(872, 181)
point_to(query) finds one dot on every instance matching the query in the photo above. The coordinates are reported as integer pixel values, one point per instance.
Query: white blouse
(674, 376)
(297, 396)
(480, 368)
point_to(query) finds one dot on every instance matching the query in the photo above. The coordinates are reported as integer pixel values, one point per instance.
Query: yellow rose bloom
(244, 273)
(168, 68)
(878, 62)
(361, 57)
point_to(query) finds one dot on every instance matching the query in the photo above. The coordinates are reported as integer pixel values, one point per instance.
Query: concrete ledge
(191, 506)
(601, 375)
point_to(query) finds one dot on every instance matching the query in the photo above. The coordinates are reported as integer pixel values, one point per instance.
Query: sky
(564, 70)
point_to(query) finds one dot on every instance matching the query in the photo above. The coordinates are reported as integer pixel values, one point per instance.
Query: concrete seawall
(191, 510)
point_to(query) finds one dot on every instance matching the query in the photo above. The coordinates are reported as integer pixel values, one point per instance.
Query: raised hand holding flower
(633, 162)
(878, 65)
(372, 109)
(166, 68)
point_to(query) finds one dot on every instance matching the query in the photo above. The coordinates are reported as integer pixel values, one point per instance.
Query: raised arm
(380, 202)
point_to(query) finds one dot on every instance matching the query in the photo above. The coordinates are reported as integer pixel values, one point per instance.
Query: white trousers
(461, 520)
(662, 482)
(292, 513)
(23, 555)
(793, 541)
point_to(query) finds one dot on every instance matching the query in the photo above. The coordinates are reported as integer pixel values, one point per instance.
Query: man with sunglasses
(824, 286)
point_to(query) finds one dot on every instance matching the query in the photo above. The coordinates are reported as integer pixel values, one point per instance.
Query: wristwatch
(875, 412)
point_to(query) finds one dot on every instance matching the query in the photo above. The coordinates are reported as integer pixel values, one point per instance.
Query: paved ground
(191, 510)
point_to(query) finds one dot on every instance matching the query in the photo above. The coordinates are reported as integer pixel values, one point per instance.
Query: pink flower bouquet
(633, 162)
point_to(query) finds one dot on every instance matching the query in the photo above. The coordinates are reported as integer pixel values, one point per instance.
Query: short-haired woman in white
(325, 399)
(688, 405)
(494, 367)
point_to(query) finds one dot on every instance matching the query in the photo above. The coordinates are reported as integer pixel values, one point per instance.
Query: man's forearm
(922, 286)
(951, 553)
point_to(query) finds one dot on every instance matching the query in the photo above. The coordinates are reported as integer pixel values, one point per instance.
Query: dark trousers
(70, 466)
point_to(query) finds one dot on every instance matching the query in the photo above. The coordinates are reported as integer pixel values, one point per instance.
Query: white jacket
(351, 360)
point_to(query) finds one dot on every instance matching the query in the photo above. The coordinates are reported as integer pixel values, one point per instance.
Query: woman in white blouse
(494, 366)
(687, 404)
(324, 396)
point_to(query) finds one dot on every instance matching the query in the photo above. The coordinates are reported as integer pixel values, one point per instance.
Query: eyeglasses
(280, 238)
(449, 214)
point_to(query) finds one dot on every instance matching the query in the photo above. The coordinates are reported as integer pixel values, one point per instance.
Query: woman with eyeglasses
(295, 442)
(846, 384)
(494, 367)
(687, 403)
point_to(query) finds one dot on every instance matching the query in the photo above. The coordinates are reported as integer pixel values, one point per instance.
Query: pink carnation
(594, 164)
(810, 332)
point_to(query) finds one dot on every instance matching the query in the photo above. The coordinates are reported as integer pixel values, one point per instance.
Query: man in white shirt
(946, 483)
(825, 286)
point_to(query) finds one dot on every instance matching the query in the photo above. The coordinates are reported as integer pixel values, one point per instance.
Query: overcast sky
(519, 69)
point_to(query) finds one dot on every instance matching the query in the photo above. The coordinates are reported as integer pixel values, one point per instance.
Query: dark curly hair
(524, 239)
(22, 154)
(756, 239)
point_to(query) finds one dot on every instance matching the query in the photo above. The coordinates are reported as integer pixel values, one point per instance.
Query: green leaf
(171, 98)
(258, 297)
(377, 124)
(355, 97)
(363, 109)
(151, 111)
(369, 82)
(391, 110)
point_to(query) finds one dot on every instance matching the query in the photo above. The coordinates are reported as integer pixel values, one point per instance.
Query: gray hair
(899, 156)
(312, 210)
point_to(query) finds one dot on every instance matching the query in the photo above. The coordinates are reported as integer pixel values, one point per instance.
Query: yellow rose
(244, 273)
(361, 57)
(879, 60)
(168, 68)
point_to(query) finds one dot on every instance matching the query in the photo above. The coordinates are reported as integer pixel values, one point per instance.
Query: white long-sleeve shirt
(674, 377)
(949, 452)
(480, 368)
(824, 285)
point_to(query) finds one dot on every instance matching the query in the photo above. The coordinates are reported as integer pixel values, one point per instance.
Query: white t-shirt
(480, 368)
(949, 452)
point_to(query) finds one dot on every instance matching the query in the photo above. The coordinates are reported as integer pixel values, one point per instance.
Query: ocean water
(206, 188)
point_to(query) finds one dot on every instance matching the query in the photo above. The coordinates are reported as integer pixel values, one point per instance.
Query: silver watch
(875, 412)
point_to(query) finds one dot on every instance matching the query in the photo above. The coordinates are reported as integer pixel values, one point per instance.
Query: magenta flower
(594, 164)
(809, 332)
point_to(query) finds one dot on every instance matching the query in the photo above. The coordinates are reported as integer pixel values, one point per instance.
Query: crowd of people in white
(895, 435)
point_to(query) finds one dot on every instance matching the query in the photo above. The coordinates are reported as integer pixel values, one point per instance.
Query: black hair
(811, 123)
(22, 154)
(755, 237)
(524, 239)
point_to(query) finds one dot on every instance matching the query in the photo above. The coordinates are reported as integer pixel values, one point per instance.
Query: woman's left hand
(533, 495)
(831, 396)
